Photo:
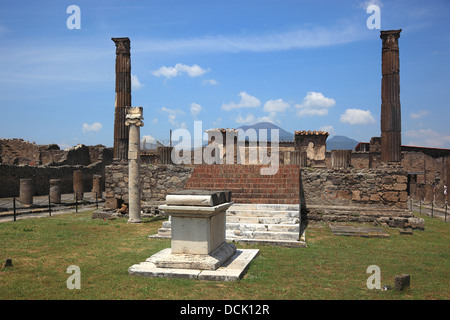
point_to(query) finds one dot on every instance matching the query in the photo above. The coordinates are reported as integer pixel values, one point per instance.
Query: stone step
(263, 227)
(273, 224)
(262, 213)
(262, 220)
(267, 235)
(264, 207)
(245, 235)
(166, 227)
(278, 243)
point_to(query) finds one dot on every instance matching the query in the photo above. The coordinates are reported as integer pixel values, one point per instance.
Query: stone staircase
(272, 224)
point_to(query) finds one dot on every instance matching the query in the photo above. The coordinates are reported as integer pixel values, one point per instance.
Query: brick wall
(381, 186)
(247, 184)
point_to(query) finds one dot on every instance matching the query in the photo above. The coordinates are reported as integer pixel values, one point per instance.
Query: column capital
(390, 39)
(134, 116)
(122, 45)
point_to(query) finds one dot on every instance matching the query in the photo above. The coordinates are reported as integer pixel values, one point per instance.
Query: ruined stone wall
(20, 152)
(156, 182)
(384, 186)
(10, 176)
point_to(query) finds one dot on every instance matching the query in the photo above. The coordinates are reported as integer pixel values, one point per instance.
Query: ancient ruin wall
(41, 175)
(156, 182)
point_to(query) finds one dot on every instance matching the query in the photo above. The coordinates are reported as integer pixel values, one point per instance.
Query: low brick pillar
(55, 190)
(26, 191)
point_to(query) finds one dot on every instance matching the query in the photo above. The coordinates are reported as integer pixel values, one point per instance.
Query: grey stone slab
(356, 231)
(231, 270)
(148, 269)
(217, 197)
(196, 261)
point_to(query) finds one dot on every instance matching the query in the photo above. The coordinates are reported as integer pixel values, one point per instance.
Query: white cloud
(299, 38)
(148, 139)
(172, 116)
(329, 129)
(96, 127)
(314, 104)
(426, 138)
(368, 3)
(276, 106)
(419, 114)
(210, 82)
(357, 116)
(247, 101)
(135, 84)
(250, 119)
(195, 109)
(179, 69)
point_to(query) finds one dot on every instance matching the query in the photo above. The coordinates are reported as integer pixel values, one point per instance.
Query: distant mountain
(341, 143)
(282, 134)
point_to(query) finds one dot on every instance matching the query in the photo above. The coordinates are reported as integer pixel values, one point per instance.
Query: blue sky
(303, 65)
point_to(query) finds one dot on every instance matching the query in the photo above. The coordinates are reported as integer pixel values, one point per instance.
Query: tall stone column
(391, 140)
(134, 121)
(123, 97)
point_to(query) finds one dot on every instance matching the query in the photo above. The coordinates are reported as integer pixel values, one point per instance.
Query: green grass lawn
(331, 267)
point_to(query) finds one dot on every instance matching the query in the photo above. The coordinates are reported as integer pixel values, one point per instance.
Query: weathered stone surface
(402, 282)
(155, 182)
(123, 97)
(390, 98)
(210, 261)
(26, 191)
(231, 270)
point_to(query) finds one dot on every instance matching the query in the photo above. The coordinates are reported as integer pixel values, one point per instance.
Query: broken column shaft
(26, 191)
(391, 141)
(123, 97)
(134, 121)
(55, 190)
(78, 189)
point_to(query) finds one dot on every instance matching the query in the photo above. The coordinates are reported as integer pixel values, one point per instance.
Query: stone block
(391, 196)
(356, 195)
(400, 186)
(402, 282)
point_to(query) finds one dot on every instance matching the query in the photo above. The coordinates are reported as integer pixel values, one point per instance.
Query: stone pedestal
(55, 190)
(26, 191)
(198, 246)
